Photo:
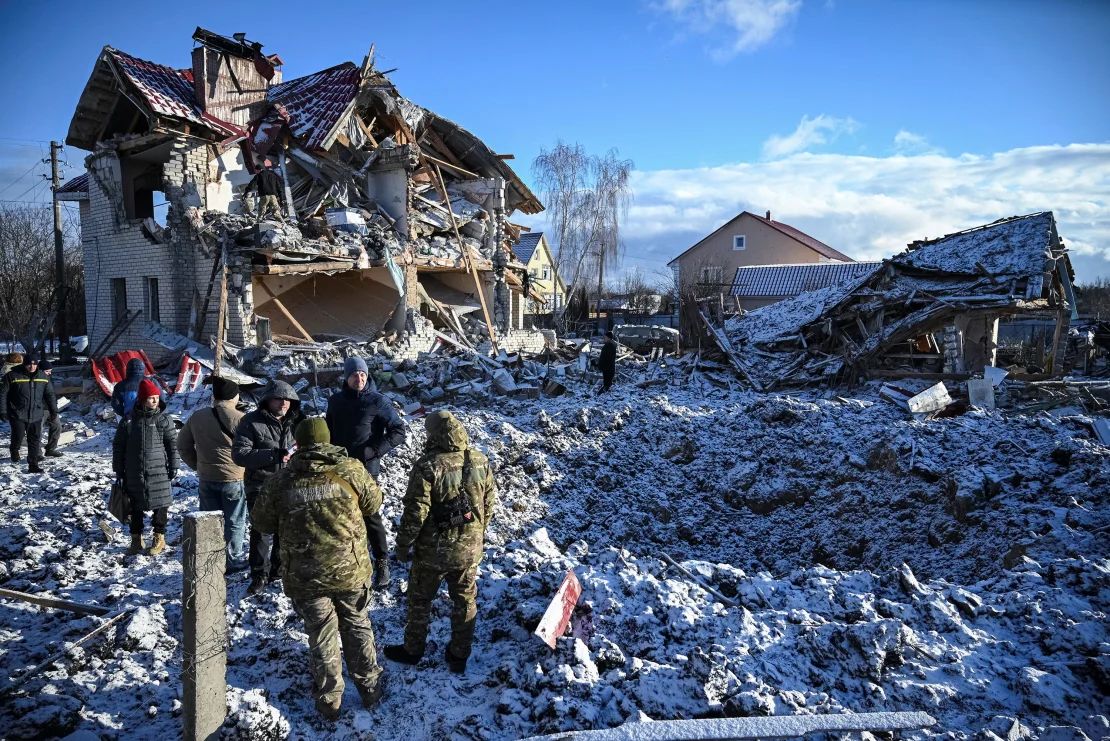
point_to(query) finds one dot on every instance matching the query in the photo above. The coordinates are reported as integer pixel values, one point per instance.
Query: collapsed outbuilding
(393, 215)
(932, 310)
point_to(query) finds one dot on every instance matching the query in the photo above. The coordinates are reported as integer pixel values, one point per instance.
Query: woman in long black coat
(144, 457)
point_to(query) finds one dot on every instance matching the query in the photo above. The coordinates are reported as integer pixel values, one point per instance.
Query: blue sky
(902, 119)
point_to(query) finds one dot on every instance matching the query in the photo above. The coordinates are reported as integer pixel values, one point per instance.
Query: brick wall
(115, 248)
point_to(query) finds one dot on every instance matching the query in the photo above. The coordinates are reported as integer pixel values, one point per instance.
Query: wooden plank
(285, 312)
(466, 255)
(723, 599)
(53, 602)
(221, 313)
(307, 267)
(449, 166)
(60, 653)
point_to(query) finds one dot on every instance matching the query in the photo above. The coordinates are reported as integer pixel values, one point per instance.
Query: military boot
(137, 544)
(399, 654)
(454, 663)
(330, 710)
(371, 697)
(158, 545)
(381, 573)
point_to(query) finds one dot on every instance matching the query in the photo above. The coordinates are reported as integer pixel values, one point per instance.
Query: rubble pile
(931, 309)
(842, 554)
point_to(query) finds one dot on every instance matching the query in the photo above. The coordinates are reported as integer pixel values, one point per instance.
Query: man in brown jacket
(205, 446)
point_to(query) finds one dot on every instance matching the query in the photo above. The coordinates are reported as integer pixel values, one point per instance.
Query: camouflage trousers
(269, 206)
(328, 620)
(462, 585)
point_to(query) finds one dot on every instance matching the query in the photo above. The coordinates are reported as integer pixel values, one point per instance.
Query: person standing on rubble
(205, 446)
(607, 361)
(144, 457)
(54, 421)
(26, 395)
(366, 424)
(316, 506)
(127, 391)
(448, 505)
(270, 188)
(263, 445)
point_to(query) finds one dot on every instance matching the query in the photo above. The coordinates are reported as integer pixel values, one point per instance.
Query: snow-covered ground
(956, 566)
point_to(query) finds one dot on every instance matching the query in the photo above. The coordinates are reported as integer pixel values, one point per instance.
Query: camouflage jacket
(316, 506)
(436, 479)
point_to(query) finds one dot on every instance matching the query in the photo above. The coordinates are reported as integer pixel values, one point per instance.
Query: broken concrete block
(68, 437)
(525, 392)
(400, 380)
(503, 381)
(909, 582)
(553, 388)
(980, 393)
(966, 602)
(932, 399)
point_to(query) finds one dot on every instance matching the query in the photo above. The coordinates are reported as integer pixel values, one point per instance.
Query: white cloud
(811, 132)
(751, 23)
(907, 142)
(871, 207)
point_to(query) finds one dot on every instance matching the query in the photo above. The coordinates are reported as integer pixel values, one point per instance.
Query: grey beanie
(354, 365)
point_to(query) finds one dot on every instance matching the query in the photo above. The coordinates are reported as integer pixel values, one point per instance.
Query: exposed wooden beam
(284, 311)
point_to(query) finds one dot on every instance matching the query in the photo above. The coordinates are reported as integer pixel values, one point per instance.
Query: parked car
(643, 339)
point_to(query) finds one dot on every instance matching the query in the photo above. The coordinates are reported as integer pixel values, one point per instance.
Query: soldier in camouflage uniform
(316, 505)
(448, 504)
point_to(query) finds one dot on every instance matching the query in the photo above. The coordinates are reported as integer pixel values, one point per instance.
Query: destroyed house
(395, 219)
(930, 311)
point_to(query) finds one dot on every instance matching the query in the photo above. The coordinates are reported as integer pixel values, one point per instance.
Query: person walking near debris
(270, 187)
(316, 507)
(448, 504)
(127, 391)
(53, 421)
(263, 444)
(205, 446)
(366, 424)
(144, 457)
(26, 395)
(607, 361)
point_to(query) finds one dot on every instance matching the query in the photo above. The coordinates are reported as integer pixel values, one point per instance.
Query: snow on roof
(1018, 246)
(790, 280)
(316, 103)
(527, 245)
(168, 91)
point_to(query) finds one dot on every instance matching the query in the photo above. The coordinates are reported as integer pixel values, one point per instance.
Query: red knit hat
(147, 389)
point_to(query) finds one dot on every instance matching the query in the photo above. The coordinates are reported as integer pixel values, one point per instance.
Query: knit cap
(312, 431)
(224, 388)
(354, 365)
(147, 389)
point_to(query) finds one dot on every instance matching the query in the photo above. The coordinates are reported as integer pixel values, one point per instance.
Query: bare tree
(27, 274)
(587, 197)
(1094, 298)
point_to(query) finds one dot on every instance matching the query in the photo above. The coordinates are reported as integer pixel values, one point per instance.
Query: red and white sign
(557, 617)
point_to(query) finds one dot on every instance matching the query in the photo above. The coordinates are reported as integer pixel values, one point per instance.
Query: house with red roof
(710, 267)
(393, 219)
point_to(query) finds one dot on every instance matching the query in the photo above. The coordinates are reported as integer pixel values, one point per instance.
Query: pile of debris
(933, 309)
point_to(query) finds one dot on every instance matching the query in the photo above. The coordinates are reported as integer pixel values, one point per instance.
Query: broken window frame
(151, 302)
(119, 299)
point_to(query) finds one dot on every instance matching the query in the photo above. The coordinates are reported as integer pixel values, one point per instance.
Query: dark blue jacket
(366, 424)
(127, 391)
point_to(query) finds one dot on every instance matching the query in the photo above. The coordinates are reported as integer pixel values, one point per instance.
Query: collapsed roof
(1012, 266)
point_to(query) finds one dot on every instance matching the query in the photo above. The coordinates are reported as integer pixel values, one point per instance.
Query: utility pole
(59, 256)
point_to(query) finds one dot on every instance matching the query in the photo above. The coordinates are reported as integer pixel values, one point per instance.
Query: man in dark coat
(144, 457)
(366, 424)
(607, 362)
(263, 445)
(26, 395)
(127, 391)
(270, 188)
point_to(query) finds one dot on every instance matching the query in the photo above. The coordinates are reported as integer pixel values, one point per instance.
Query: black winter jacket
(607, 361)
(144, 455)
(262, 440)
(26, 396)
(366, 424)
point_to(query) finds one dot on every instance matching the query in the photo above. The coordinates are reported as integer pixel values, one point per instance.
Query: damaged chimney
(231, 77)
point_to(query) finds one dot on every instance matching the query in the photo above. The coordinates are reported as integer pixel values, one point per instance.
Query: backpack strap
(223, 427)
(343, 484)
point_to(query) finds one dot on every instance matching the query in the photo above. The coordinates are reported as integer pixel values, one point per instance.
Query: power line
(29, 169)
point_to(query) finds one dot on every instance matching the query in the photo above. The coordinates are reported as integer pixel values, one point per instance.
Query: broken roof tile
(168, 91)
(316, 103)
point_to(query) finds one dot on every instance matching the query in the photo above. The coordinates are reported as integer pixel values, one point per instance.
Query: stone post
(203, 603)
